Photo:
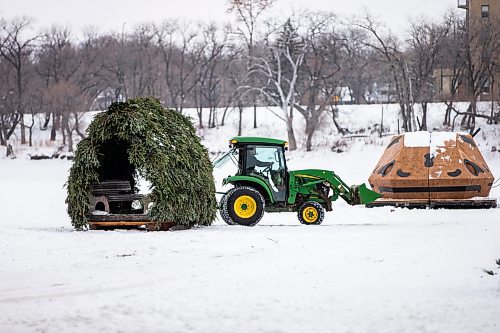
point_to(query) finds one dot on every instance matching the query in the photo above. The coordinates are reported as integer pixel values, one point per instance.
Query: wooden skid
(126, 221)
(436, 204)
(120, 217)
(120, 223)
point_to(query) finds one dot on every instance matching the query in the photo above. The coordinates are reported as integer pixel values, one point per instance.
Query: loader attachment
(360, 195)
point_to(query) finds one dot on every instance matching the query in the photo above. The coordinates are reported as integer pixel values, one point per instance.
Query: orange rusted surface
(433, 166)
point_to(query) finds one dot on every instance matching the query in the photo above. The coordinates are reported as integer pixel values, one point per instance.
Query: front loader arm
(354, 195)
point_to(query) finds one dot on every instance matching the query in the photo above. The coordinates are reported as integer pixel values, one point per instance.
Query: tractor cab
(263, 161)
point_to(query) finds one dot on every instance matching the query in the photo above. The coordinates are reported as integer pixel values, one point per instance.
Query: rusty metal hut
(437, 168)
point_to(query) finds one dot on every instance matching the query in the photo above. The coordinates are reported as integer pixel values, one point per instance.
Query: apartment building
(481, 15)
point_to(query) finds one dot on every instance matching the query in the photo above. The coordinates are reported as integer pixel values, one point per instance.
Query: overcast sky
(117, 14)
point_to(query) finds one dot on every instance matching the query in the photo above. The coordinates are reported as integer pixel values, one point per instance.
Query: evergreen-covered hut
(140, 138)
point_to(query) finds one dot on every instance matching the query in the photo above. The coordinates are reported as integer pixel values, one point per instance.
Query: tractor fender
(249, 181)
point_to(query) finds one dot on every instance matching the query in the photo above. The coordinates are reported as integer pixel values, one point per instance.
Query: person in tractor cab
(265, 168)
(253, 161)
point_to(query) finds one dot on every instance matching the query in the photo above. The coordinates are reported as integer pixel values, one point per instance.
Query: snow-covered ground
(362, 270)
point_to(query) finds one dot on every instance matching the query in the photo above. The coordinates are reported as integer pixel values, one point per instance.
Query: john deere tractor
(264, 184)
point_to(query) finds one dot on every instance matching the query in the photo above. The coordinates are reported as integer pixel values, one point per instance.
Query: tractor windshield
(222, 159)
(268, 164)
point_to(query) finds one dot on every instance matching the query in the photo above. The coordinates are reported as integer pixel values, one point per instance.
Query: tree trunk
(311, 125)
(240, 112)
(55, 126)
(200, 117)
(210, 116)
(30, 130)
(254, 116)
(309, 134)
(10, 151)
(224, 116)
(411, 117)
(46, 122)
(404, 116)
(213, 116)
(63, 131)
(423, 126)
(30, 135)
(2, 140)
(447, 115)
(469, 119)
(77, 127)
(23, 130)
(471, 123)
(341, 130)
(70, 137)
(12, 128)
(493, 92)
(292, 143)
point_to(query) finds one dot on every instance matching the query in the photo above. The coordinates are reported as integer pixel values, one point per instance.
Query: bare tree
(234, 72)
(356, 71)
(114, 68)
(68, 101)
(8, 118)
(319, 77)
(480, 56)
(426, 41)
(143, 62)
(208, 90)
(248, 13)
(57, 61)
(181, 53)
(389, 48)
(449, 68)
(16, 48)
(281, 72)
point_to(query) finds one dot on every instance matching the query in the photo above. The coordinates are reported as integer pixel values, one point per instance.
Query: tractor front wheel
(244, 206)
(311, 213)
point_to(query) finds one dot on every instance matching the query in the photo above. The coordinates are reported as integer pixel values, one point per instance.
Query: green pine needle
(141, 138)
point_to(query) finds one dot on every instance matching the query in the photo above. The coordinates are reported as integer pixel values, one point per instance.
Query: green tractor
(264, 184)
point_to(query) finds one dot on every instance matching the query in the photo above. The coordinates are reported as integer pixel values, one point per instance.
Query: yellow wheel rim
(245, 207)
(310, 214)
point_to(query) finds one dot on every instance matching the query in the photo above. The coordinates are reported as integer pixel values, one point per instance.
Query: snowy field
(362, 270)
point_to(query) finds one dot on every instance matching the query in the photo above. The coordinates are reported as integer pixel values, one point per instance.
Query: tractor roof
(256, 140)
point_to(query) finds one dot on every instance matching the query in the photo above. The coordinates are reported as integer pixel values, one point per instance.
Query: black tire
(311, 213)
(223, 208)
(244, 206)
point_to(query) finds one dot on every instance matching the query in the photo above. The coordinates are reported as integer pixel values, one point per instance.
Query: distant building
(479, 13)
(480, 9)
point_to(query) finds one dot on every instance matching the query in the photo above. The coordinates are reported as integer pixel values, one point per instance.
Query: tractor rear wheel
(311, 213)
(223, 208)
(244, 206)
